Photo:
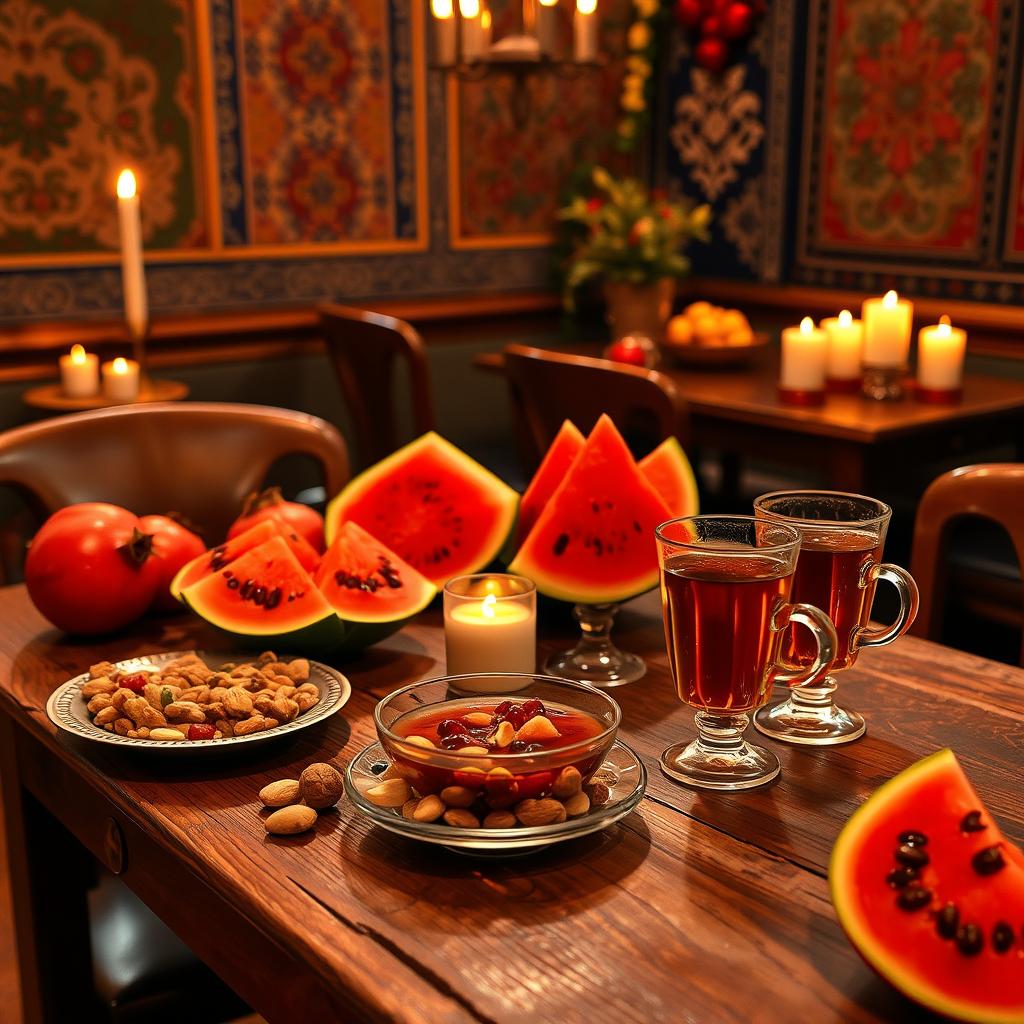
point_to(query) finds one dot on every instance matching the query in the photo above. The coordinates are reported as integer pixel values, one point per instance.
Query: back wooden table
(698, 906)
(853, 443)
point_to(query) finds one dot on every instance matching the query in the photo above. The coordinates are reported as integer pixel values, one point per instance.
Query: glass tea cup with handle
(726, 583)
(840, 565)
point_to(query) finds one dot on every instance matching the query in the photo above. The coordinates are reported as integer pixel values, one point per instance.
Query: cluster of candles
(80, 376)
(838, 354)
(476, 25)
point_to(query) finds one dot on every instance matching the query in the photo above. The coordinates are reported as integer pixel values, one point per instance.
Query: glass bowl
(500, 779)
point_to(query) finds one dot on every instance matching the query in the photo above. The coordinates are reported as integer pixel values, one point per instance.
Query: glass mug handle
(905, 587)
(824, 632)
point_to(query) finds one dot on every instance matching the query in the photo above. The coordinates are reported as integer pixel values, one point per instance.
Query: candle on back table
(547, 27)
(940, 359)
(887, 323)
(121, 380)
(585, 30)
(804, 354)
(845, 341)
(444, 31)
(79, 373)
(472, 32)
(133, 276)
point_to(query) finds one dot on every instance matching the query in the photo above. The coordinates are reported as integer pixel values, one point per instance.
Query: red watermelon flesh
(218, 557)
(431, 504)
(669, 472)
(594, 541)
(364, 581)
(926, 950)
(559, 457)
(308, 556)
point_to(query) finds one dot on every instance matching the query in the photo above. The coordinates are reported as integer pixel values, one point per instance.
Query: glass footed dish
(622, 772)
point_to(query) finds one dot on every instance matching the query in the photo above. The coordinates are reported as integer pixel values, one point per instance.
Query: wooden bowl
(714, 355)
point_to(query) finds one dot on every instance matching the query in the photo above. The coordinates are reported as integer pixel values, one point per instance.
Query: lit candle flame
(845, 318)
(806, 325)
(488, 606)
(470, 8)
(586, 6)
(126, 184)
(77, 355)
(548, 3)
(891, 299)
(945, 328)
(442, 9)
(945, 320)
(485, 19)
(120, 366)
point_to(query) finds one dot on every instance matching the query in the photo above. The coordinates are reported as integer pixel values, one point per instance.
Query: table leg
(50, 875)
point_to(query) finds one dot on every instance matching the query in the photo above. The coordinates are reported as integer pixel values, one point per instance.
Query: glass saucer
(622, 772)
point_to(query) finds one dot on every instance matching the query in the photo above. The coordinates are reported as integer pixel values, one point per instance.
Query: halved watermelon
(932, 895)
(594, 541)
(265, 593)
(369, 586)
(669, 472)
(551, 472)
(431, 504)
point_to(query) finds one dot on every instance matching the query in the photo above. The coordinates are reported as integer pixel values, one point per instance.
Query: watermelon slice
(435, 507)
(566, 446)
(932, 895)
(594, 541)
(265, 593)
(669, 472)
(370, 587)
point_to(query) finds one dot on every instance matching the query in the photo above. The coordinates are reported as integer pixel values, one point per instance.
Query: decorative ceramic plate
(622, 772)
(714, 355)
(67, 710)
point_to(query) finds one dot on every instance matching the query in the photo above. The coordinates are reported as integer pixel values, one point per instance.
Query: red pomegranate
(711, 53)
(737, 20)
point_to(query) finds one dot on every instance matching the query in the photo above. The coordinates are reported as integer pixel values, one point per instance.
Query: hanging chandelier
(464, 43)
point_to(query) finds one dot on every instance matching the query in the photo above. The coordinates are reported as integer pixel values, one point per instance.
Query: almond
(390, 793)
(420, 741)
(568, 783)
(473, 750)
(290, 820)
(429, 808)
(500, 819)
(458, 796)
(280, 793)
(577, 804)
(503, 735)
(477, 718)
(533, 813)
(457, 817)
(409, 807)
(165, 734)
(537, 728)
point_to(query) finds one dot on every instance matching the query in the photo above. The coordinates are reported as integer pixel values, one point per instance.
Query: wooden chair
(992, 491)
(548, 387)
(197, 458)
(363, 347)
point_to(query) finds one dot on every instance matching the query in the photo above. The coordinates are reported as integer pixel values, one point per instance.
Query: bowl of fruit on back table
(707, 335)
(530, 737)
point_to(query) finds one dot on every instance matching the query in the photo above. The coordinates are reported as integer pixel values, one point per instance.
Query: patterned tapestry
(509, 178)
(86, 89)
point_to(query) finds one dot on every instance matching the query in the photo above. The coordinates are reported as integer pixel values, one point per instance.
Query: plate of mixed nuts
(191, 700)
(459, 817)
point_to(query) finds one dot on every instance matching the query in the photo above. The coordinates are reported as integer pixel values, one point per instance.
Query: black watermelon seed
(912, 855)
(901, 877)
(913, 838)
(233, 583)
(969, 939)
(972, 822)
(914, 897)
(1002, 937)
(947, 921)
(561, 543)
(988, 861)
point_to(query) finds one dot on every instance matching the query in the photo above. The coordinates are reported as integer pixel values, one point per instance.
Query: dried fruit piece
(201, 731)
(390, 793)
(289, 821)
(321, 786)
(280, 793)
(599, 793)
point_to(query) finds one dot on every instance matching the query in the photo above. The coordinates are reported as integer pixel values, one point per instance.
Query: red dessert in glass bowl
(505, 748)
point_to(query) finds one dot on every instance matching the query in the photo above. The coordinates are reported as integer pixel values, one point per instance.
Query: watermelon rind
(504, 499)
(669, 472)
(874, 811)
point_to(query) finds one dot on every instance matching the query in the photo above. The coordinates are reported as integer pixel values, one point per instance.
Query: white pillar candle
(547, 27)
(845, 340)
(133, 276)
(585, 31)
(887, 323)
(79, 373)
(804, 353)
(444, 31)
(472, 35)
(940, 356)
(121, 380)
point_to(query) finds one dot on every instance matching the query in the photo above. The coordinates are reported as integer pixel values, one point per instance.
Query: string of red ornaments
(718, 27)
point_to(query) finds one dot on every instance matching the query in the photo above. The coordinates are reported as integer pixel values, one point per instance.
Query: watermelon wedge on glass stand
(592, 544)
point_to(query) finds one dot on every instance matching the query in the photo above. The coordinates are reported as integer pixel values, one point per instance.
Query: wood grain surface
(697, 907)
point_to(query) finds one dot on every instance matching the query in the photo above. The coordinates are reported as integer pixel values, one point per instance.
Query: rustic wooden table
(698, 906)
(853, 443)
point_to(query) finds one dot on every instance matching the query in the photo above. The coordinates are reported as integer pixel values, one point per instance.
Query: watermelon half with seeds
(431, 504)
(594, 541)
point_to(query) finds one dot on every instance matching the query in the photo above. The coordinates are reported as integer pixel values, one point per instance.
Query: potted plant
(633, 239)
